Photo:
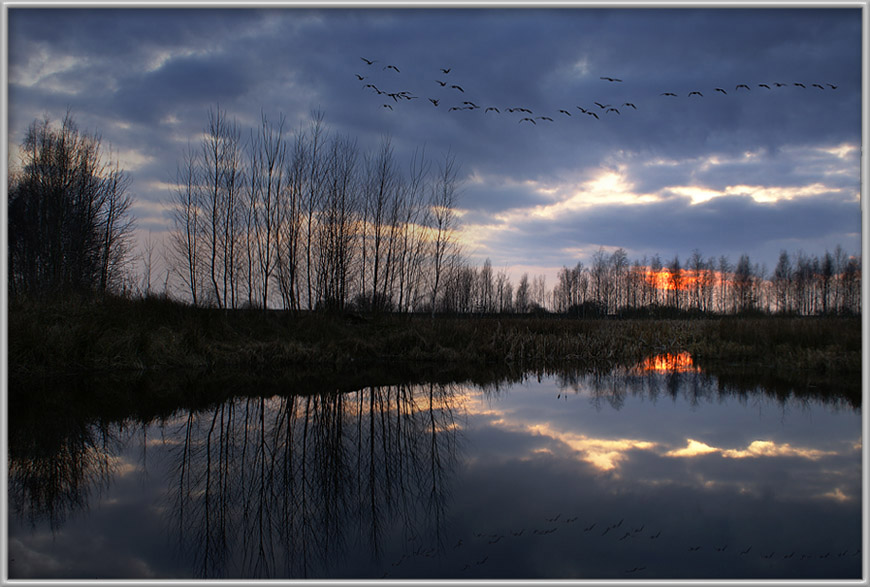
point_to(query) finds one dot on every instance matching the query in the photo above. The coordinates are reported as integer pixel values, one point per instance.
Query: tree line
(305, 219)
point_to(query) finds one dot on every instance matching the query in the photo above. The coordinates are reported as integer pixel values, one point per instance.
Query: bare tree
(443, 217)
(68, 213)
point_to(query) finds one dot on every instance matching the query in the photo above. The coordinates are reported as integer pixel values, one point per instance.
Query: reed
(152, 334)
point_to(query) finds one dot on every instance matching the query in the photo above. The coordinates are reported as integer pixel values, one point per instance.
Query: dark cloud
(145, 78)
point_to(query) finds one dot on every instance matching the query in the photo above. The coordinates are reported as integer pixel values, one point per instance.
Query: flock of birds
(452, 96)
(617, 532)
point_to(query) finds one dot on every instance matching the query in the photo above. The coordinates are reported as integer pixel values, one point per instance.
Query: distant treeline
(800, 284)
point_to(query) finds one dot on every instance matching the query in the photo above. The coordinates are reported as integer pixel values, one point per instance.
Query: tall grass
(156, 333)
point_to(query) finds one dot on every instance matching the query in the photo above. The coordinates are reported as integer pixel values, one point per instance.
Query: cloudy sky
(734, 170)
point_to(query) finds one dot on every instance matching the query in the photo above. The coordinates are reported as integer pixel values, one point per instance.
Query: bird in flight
(668, 94)
(529, 119)
(764, 86)
(472, 104)
(818, 86)
(612, 110)
(440, 83)
(833, 87)
(593, 114)
(434, 101)
(388, 106)
(393, 67)
(544, 118)
(446, 71)
(359, 77)
(696, 93)
(721, 90)
(368, 61)
(629, 104)
(565, 112)
(491, 108)
(741, 86)
(602, 106)
(611, 79)
(800, 85)
(458, 88)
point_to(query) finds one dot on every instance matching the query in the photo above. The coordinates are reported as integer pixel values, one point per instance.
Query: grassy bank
(159, 334)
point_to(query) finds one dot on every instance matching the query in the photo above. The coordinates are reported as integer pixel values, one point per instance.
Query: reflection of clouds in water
(530, 427)
(757, 448)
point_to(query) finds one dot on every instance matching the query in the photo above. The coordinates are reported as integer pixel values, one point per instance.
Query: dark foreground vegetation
(157, 334)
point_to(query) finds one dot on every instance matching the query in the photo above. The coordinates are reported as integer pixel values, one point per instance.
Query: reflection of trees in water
(53, 469)
(693, 387)
(271, 487)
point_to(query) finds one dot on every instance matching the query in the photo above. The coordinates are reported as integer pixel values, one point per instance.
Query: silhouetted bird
(583, 110)
(779, 84)
(629, 104)
(491, 108)
(602, 106)
(359, 77)
(565, 112)
(458, 88)
(800, 85)
(668, 94)
(439, 82)
(741, 86)
(472, 104)
(446, 71)
(818, 86)
(593, 114)
(612, 110)
(368, 61)
(388, 106)
(372, 86)
(696, 94)
(721, 90)
(393, 67)
(833, 87)
(612, 79)
(764, 86)
(434, 101)
(551, 120)
(529, 119)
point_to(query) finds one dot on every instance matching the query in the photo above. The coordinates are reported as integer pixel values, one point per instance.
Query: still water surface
(652, 472)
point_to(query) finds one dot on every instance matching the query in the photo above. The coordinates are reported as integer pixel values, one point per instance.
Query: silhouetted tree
(68, 214)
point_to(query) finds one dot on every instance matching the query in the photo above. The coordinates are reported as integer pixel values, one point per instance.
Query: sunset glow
(669, 363)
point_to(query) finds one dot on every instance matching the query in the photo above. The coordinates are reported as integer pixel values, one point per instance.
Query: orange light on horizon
(661, 279)
(669, 363)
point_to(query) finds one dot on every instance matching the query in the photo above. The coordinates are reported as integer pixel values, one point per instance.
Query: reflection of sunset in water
(669, 363)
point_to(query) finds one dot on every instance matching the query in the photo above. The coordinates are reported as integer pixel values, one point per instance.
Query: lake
(659, 471)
